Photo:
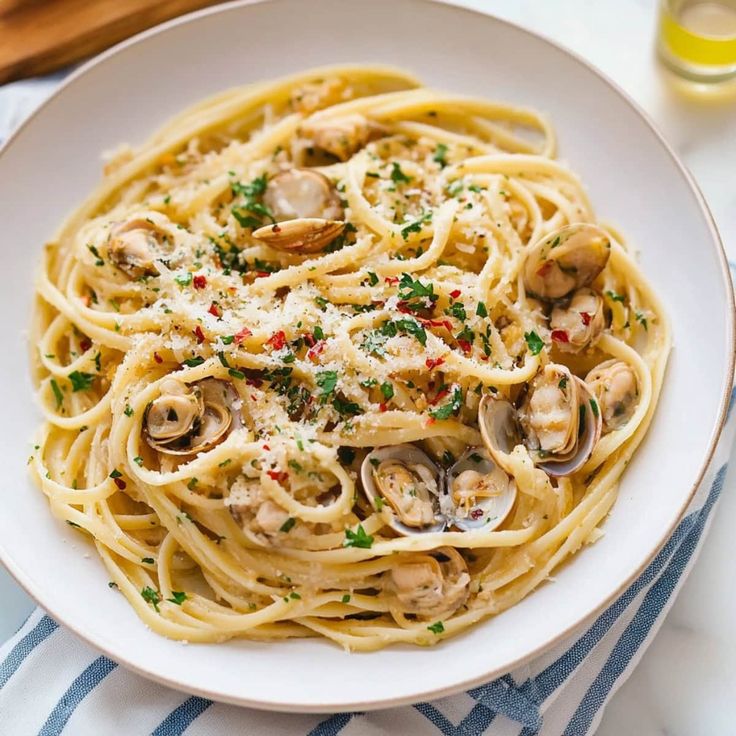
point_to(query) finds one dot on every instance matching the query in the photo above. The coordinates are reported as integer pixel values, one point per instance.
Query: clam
(190, 418)
(307, 235)
(479, 493)
(614, 385)
(429, 585)
(558, 422)
(343, 136)
(565, 260)
(135, 245)
(302, 193)
(578, 324)
(404, 486)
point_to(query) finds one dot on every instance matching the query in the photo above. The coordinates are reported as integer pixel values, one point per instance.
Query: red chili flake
(275, 229)
(277, 475)
(378, 303)
(262, 274)
(214, 310)
(266, 447)
(437, 323)
(455, 293)
(253, 397)
(560, 336)
(120, 483)
(199, 282)
(441, 395)
(312, 353)
(433, 362)
(255, 382)
(430, 420)
(465, 346)
(586, 318)
(309, 339)
(392, 280)
(85, 344)
(383, 406)
(158, 358)
(476, 514)
(199, 334)
(240, 336)
(277, 341)
(544, 269)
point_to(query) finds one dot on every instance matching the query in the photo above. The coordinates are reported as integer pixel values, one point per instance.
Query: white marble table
(686, 683)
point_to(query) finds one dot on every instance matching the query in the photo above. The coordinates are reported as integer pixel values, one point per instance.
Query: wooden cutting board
(40, 36)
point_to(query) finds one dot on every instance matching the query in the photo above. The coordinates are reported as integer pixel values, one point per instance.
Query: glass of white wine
(697, 38)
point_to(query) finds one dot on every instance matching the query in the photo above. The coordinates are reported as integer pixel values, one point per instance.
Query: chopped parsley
(358, 538)
(410, 288)
(440, 154)
(346, 408)
(397, 175)
(614, 296)
(387, 390)
(327, 381)
(57, 393)
(457, 310)
(416, 225)
(128, 411)
(481, 310)
(251, 212)
(151, 596)
(641, 319)
(372, 278)
(183, 279)
(594, 407)
(81, 381)
(147, 560)
(194, 362)
(177, 597)
(288, 525)
(452, 407)
(534, 342)
(96, 254)
(346, 598)
(437, 628)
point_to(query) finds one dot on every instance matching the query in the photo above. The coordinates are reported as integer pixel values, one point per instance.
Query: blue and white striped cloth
(51, 682)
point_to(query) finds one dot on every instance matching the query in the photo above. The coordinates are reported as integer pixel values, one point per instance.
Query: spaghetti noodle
(339, 355)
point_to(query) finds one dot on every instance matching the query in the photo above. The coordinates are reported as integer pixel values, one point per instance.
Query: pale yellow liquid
(698, 39)
(709, 19)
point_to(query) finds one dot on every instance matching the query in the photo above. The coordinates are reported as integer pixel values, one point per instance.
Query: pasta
(339, 355)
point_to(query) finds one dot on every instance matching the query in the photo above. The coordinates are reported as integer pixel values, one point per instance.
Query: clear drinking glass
(697, 38)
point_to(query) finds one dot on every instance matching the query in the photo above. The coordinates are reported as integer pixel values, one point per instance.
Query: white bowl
(634, 179)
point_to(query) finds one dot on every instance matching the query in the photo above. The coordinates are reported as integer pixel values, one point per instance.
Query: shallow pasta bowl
(634, 180)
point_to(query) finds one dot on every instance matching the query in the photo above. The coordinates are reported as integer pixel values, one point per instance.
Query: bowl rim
(730, 344)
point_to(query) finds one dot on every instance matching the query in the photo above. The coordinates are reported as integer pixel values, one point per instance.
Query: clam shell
(409, 455)
(304, 235)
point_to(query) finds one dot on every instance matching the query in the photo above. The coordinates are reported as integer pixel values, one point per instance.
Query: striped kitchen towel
(51, 682)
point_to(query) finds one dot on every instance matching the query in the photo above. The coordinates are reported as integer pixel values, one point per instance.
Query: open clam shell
(403, 484)
(190, 418)
(563, 449)
(479, 493)
(565, 260)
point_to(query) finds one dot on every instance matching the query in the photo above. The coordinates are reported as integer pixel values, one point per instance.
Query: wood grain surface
(40, 36)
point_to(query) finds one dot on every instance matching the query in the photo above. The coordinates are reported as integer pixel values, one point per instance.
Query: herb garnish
(534, 342)
(357, 538)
